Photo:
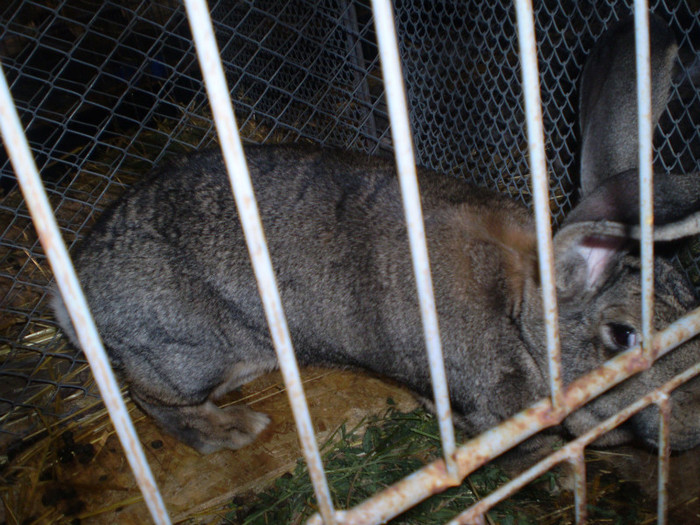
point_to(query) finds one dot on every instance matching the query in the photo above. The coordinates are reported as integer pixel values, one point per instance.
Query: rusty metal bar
(432, 478)
(664, 405)
(575, 448)
(405, 162)
(45, 223)
(578, 463)
(220, 100)
(646, 198)
(540, 191)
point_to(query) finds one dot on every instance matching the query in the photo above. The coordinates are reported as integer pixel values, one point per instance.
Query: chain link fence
(107, 90)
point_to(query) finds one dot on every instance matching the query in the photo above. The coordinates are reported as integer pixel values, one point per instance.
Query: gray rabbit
(171, 287)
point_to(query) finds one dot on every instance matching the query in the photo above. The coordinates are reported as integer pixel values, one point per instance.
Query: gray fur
(608, 94)
(170, 285)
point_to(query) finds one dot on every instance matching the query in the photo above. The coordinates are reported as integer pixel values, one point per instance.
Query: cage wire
(108, 90)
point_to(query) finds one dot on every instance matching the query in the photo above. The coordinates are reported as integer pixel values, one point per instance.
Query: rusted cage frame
(458, 462)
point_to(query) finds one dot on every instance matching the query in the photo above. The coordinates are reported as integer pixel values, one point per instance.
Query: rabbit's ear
(676, 200)
(608, 100)
(596, 232)
(585, 254)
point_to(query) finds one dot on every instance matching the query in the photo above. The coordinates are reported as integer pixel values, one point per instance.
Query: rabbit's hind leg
(241, 373)
(195, 419)
(206, 427)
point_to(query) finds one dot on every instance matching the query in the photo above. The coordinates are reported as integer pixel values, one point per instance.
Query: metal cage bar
(232, 149)
(664, 404)
(540, 193)
(47, 228)
(478, 451)
(578, 463)
(406, 166)
(574, 449)
(646, 200)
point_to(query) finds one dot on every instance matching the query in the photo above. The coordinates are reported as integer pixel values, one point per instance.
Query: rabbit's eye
(619, 336)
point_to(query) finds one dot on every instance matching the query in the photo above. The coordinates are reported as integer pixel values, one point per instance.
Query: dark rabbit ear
(608, 100)
(595, 233)
(676, 203)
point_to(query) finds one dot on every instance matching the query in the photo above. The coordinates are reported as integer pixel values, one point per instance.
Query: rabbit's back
(166, 271)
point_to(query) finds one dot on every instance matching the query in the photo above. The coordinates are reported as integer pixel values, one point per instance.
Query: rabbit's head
(596, 250)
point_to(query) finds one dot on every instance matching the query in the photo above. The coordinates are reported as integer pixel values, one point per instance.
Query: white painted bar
(540, 193)
(220, 100)
(646, 198)
(45, 223)
(580, 490)
(406, 166)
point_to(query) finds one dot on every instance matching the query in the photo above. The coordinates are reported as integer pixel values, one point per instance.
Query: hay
(361, 462)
